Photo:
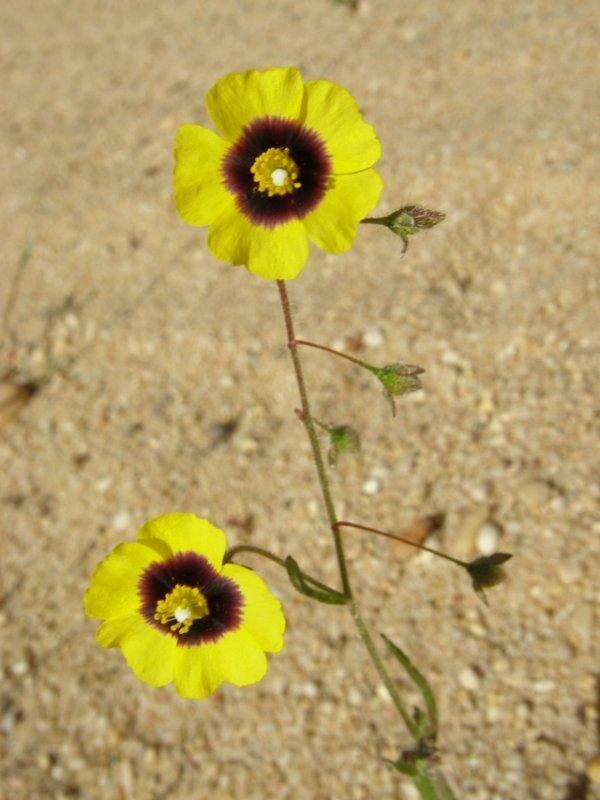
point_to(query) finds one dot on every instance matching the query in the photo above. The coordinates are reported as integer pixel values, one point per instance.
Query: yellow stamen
(275, 171)
(184, 605)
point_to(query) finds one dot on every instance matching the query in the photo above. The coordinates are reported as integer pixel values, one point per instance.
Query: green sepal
(486, 572)
(317, 591)
(401, 766)
(410, 220)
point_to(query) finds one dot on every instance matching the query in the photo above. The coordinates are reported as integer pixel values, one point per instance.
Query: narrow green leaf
(421, 683)
(302, 583)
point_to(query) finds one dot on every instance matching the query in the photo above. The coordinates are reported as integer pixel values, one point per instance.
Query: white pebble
(354, 697)
(121, 520)
(20, 668)
(544, 686)
(468, 679)
(383, 694)
(309, 689)
(409, 792)
(372, 486)
(373, 338)
(487, 539)
(468, 527)
(103, 484)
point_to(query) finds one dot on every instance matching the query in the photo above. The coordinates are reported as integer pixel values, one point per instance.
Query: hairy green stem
(359, 362)
(431, 783)
(314, 439)
(459, 562)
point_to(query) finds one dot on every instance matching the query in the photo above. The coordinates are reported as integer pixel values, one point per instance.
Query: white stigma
(181, 614)
(279, 176)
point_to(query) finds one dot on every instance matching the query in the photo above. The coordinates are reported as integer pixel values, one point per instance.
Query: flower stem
(398, 538)
(314, 439)
(429, 781)
(354, 360)
(307, 418)
(331, 513)
(250, 548)
(261, 551)
(432, 785)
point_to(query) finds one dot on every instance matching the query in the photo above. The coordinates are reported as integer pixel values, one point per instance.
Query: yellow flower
(179, 614)
(292, 163)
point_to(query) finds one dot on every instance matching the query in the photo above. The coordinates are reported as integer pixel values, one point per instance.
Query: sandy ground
(166, 386)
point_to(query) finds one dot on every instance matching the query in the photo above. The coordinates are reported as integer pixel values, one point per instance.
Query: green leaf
(422, 685)
(310, 587)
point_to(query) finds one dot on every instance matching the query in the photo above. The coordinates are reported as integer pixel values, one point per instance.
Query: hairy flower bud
(344, 439)
(408, 220)
(398, 379)
(412, 219)
(487, 571)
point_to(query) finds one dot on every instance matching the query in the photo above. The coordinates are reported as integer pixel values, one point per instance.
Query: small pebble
(571, 572)
(544, 686)
(487, 539)
(121, 520)
(372, 486)
(313, 507)
(103, 484)
(409, 792)
(478, 630)
(383, 694)
(309, 689)
(355, 697)
(581, 625)
(373, 338)
(468, 528)
(535, 493)
(468, 679)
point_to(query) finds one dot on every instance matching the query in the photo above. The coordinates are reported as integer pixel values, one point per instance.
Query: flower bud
(399, 379)
(486, 572)
(412, 219)
(344, 439)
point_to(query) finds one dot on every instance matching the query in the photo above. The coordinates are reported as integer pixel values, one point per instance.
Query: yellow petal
(332, 225)
(278, 253)
(113, 588)
(184, 532)
(263, 619)
(233, 659)
(272, 253)
(149, 653)
(332, 112)
(229, 238)
(238, 98)
(200, 196)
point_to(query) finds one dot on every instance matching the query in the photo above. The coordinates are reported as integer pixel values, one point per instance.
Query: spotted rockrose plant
(179, 614)
(291, 162)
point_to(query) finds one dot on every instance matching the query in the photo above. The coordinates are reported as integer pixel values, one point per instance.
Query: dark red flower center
(190, 580)
(278, 171)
